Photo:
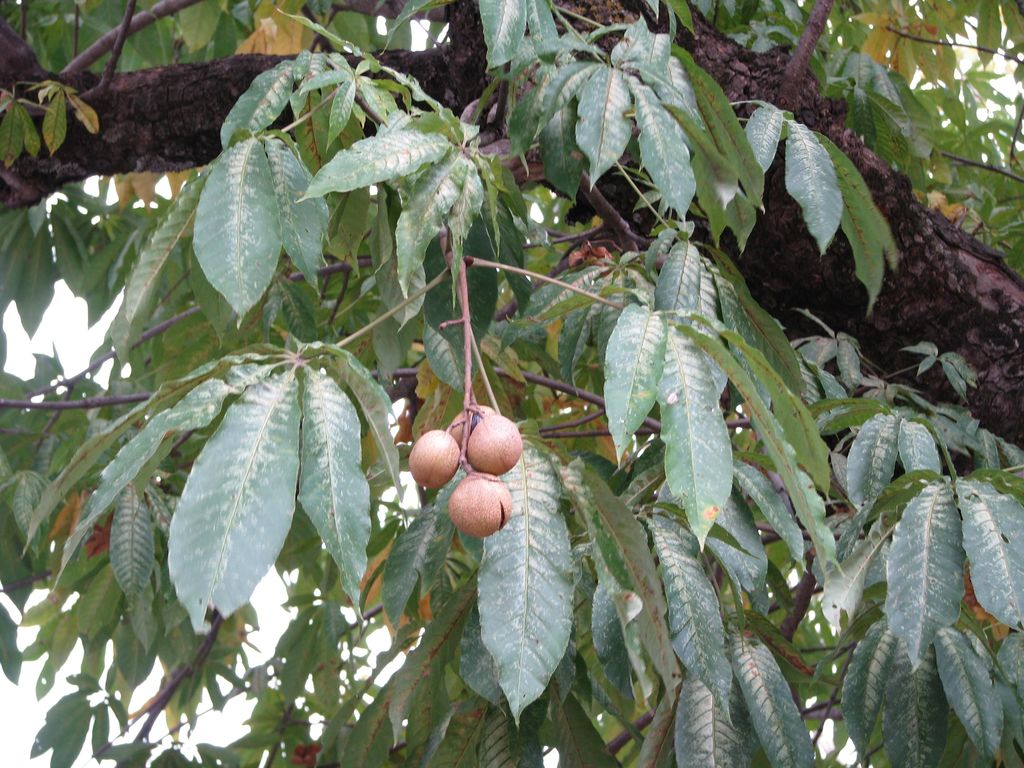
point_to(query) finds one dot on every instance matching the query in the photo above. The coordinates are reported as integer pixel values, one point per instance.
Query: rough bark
(950, 289)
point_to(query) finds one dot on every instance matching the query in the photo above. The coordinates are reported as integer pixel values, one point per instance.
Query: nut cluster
(481, 503)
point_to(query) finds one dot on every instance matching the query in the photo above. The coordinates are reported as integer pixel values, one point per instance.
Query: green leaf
(10, 656)
(724, 129)
(1011, 659)
(925, 569)
(418, 554)
(562, 158)
(504, 23)
(797, 424)
(658, 749)
(808, 506)
(693, 613)
(698, 452)
(458, 748)
(383, 157)
(526, 584)
(917, 448)
(994, 540)
(844, 585)
(436, 647)
(811, 180)
(864, 685)
(237, 236)
(625, 561)
(476, 667)
(865, 227)
(369, 740)
(764, 128)
(433, 194)
(709, 736)
(65, 729)
(914, 718)
(194, 411)
(767, 499)
(156, 251)
(633, 366)
(770, 704)
(11, 136)
(131, 543)
(376, 406)
(967, 680)
(872, 458)
(609, 642)
(680, 280)
(663, 149)
(578, 742)
(261, 103)
(332, 488)
(303, 224)
(237, 504)
(602, 129)
(341, 107)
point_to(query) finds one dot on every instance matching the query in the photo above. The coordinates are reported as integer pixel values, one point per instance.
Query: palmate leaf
(811, 181)
(303, 224)
(332, 488)
(872, 458)
(237, 504)
(578, 742)
(663, 149)
(698, 453)
(131, 543)
(504, 23)
(770, 704)
(993, 529)
(633, 367)
(154, 254)
(967, 680)
(707, 737)
(261, 103)
(237, 237)
(694, 620)
(865, 681)
(383, 157)
(763, 130)
(624, 558)
(194, 411)
(602, 129)
(925, 569)
(526, 583)
(914, 717)
(418, 553)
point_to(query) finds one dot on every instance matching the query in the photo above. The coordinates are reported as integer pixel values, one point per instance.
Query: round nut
(480, 505)
(434, 458)
(455, 428)
(495, 445)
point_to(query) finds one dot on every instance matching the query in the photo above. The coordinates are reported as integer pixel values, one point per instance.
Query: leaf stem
(393, 311)
(544, 278)
(642, 196)
(483, 373)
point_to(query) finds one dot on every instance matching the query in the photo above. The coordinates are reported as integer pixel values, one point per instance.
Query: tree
(600, 221)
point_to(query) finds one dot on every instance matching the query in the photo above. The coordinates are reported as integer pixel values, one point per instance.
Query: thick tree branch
(796, 69)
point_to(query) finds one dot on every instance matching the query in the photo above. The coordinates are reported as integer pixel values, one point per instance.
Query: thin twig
(954, 44)
(832, 699)
(609, 213)
(24, 583)
(801, 602)
(544, 278)
(983, 166)
(143, 19)
(617, 743)
(577, 422)
(796, 68)
(115, 53)
(71, 405)
(1016, 130)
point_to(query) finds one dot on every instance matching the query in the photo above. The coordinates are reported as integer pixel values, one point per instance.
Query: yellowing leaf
(67, 518)
(878, 44)
(86, 115)
(277, 35)
(953, 211)
(176, 180)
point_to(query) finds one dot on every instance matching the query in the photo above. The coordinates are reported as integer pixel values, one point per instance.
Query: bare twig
(617, 743)
(953, 44)
(115, 53)
(609, 213)
(71, 405)
(1016, 130)
(28, 581)
(105, 43)
(983, 166)
(801, 602)
(796, 69)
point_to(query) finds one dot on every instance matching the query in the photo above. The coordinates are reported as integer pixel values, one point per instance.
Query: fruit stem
(468, 342)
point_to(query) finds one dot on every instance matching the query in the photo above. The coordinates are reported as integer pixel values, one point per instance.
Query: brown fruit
(480, 505)
(434, 458)
(455, 428)
(494, 445)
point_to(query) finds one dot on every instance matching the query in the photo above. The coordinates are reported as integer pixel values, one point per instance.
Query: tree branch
(90, 55)
(954, 44)
(73, 405)
(115, 53)
(796, 69)
(983, 166)
(801, 602)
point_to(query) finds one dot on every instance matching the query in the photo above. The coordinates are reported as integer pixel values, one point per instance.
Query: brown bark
(950, 289)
